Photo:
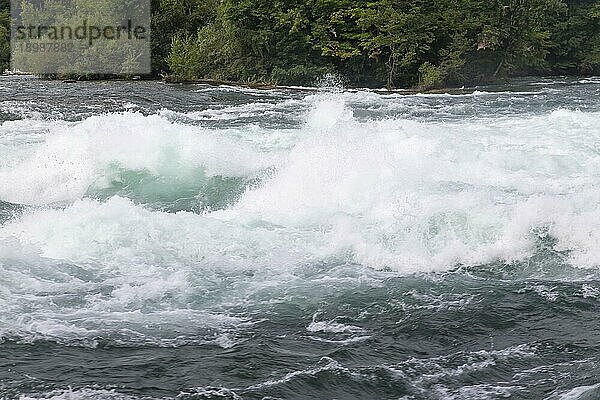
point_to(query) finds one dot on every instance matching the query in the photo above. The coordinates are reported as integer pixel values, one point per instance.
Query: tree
(172, 18)
(397, 43)
(575, 40)
(4, 34)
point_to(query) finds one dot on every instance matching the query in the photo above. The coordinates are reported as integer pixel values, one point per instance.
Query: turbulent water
(197, 242)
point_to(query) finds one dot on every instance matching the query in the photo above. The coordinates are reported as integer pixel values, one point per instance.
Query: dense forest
(4, 34)
(394, 43)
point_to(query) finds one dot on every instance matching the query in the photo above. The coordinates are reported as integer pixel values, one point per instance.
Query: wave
(435, 377)
(81, 394)
(581, 393)
(478, 93)
(9, 211)
(208, 393)
(140, 212)
(253, 111)
(392, 194)
(104, 153)
(74, 275)
(453, 376)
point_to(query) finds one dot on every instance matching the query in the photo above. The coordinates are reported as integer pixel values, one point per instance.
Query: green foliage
(171, 18)
(394, 43)
(215, 53)
(430, 76)
(4, 35)
(104, 57)
(575, 40)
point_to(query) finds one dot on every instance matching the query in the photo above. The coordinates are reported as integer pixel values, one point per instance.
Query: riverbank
(331, 81)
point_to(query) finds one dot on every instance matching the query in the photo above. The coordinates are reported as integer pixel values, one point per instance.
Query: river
(196, 242)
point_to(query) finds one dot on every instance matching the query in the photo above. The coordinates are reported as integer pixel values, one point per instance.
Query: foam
(325, 364)
(76, 156)
(581, 393)
(384, 193)
(331, 326)
(81, 394)
(21, 109)
(399, 193)
(118, 271)
(240, 112)
(387, 193)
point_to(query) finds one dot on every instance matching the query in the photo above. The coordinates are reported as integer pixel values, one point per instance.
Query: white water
(387, 193)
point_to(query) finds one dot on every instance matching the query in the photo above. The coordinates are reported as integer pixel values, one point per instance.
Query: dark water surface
(192, 242)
